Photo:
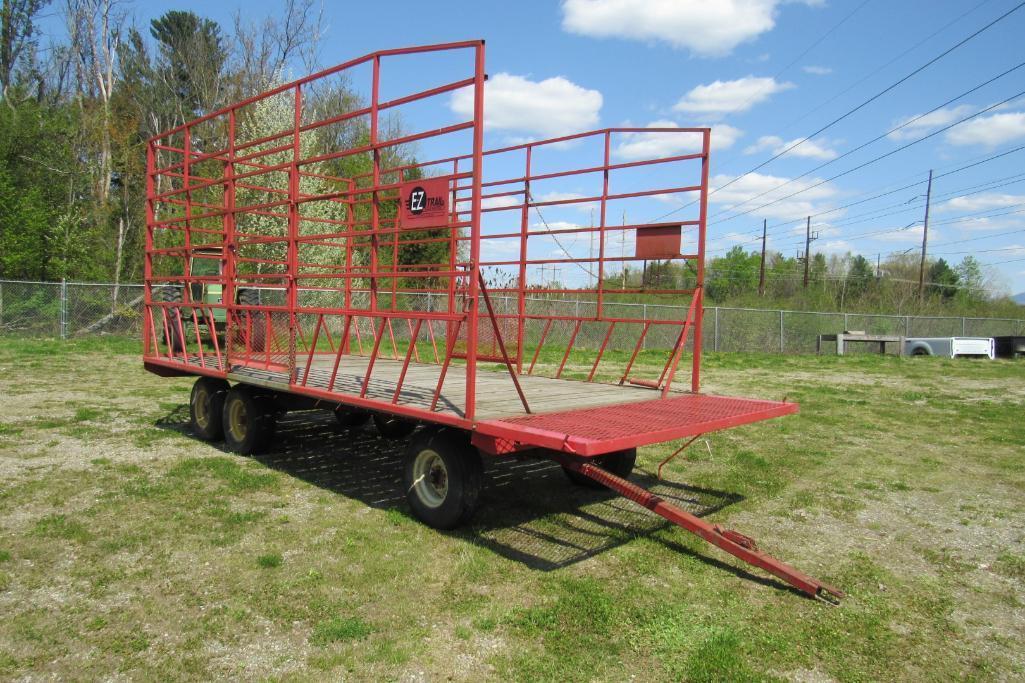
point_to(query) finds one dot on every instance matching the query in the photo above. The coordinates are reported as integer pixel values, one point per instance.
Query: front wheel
(619, 463)
(206, 407)
(249, 420)
(442, 474)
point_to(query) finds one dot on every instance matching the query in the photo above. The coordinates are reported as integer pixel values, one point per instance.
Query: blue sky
(763, 74)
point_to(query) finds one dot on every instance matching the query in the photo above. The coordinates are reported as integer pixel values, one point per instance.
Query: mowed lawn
(129, 549)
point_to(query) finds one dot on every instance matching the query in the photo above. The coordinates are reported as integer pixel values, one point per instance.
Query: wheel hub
(431, 477)
(238, 421)
(201, 406)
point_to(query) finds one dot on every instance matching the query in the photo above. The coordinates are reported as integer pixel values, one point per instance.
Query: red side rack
(302, 245)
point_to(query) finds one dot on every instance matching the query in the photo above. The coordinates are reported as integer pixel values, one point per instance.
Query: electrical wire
(860, 106)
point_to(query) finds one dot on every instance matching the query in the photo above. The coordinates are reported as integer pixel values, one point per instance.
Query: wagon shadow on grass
(529, 511)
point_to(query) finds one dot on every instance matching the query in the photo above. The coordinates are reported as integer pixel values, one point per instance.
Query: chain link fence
(73, 309)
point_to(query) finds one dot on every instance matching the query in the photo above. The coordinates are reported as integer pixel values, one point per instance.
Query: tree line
(77, 108)
(847, 282)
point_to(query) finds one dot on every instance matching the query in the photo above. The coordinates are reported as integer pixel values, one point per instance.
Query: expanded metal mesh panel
(685, 415)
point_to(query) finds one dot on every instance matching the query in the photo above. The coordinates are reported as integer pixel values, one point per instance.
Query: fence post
(907, 326)
(63, 309)
(963, 326)
(781, 331)
(846, 326)
(715, 333)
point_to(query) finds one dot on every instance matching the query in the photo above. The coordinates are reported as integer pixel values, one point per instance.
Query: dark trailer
(301, 258)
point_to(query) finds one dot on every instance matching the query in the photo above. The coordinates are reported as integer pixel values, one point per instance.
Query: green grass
(129, 549)
(270, 561)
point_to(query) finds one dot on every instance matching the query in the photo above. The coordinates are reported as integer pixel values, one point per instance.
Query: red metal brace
(732, 542)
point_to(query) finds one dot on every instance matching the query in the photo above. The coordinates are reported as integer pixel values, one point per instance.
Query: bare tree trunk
(121, 231)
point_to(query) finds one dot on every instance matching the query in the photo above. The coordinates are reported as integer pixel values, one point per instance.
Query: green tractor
(208, 263)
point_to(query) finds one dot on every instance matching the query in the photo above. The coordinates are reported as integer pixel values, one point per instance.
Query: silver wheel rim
(237, 420)
(430, 478)
(201, 406)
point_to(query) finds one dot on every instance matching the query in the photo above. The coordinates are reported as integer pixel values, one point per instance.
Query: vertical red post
(228, 240)
(147, 266)
(699, 290)
(474, 269)
(375, 209)
(350, 239)
(522, 293)
(601, 224)
(292, 287)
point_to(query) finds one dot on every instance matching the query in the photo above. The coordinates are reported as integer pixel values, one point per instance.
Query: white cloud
(556, 225)
(817, 70)
(708, 29)
(809, 201)
(503, 202)
(834, 247)
(727, 97)
(989, 131)
(910, 234)
(982, 202)
(811, 149)
(548, 108)
(562, 196)
(975, 223)
(929, 122)
(660, 145)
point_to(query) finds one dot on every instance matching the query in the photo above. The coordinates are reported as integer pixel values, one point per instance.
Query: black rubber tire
(257, 322)
(619, 463)
(919, 352)
(446, 457)
(251, 429)
(206, 408)
(392, 426)
(351, 417)
(170, 294)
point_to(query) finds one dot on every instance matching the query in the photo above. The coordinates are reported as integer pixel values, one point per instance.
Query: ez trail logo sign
(424, 202)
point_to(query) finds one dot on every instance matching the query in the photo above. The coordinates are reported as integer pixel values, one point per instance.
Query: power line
(862, 105)
(866, 144)
(880, 157)
(976, 162)
(960, 192)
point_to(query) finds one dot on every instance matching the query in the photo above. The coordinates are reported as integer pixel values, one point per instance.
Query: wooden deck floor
(496, 394)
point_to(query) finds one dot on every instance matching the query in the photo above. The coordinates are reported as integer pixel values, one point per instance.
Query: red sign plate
(424, 203)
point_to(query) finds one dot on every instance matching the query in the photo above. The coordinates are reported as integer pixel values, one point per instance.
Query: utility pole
(761, 270)
(925, 239)
(808, 239)
(878, 270)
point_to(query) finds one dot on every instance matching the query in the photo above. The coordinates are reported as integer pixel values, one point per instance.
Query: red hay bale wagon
(303, 251)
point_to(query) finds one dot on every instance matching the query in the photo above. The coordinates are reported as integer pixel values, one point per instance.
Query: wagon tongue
(733, 542)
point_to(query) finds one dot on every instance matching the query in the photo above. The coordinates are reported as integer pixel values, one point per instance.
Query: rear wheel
(206, 407)
(619, 463)
(442, 474)
(173, 333)
(254, 322)
(248, 420)
(392, 426)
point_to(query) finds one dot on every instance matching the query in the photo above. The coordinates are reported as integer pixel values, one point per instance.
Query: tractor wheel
(619, 463)
(206, 408)
(442, 475)
(254, 322)
(169, 294)
(351, 417)
(249, 420)
(392, 426)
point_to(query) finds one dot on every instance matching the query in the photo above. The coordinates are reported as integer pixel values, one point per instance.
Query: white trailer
(950, 347)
